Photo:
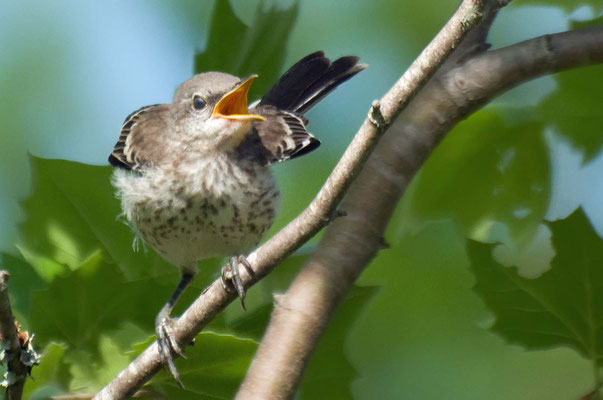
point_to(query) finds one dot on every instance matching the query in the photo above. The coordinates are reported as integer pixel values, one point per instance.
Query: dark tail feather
(339, 71)
(309, 80)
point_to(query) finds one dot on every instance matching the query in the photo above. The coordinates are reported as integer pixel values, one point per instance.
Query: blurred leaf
(252, 324)
(48, 378)
(280, 279)
(486, 170)
(240, 50)
(46, 268)
(94, 299)
(23, 280)
(91, 372)
(226, 35)
(330, 374)
(128, 334)
(575, 108)
(71, 214)
(214, 368)
(54, 229)
(564, 306)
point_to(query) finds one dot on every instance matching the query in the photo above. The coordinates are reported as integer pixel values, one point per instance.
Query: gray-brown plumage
(193, 175)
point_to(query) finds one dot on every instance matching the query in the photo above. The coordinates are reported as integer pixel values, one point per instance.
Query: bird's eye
(199, 102)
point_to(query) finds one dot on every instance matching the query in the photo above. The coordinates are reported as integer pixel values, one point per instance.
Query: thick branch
(349, 244)
(215, 298)
(10, 343)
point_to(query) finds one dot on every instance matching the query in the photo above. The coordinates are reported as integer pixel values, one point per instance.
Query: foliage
(563, 306)
(504, 176)
(242, 50)
(91, 300)
(575, 111)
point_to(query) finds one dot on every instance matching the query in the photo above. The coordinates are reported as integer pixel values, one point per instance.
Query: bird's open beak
(233, 105)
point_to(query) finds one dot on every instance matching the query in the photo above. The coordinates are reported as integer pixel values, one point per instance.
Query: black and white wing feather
(283, 135)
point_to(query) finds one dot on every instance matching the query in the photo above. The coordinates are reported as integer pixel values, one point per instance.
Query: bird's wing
(138, 137)
(283, 135)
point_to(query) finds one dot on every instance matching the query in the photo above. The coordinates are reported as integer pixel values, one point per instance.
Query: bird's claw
(231, 279)
(166, 344)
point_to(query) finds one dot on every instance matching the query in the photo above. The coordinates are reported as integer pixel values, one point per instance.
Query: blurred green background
(71, 71)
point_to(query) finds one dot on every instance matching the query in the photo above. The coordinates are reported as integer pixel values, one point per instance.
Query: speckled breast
(201, 210)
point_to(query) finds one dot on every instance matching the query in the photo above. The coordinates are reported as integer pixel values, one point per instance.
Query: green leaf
(128, 334)
(48, 378)
(226, 35)
(23, 280)
(252, 323)
(486, 170)
(240, 50)
(46, 268)
(564, 306)
(214, 368)
(330, 374)
(575, 108)
(54, 229)
(71, 214)
(95, 299)
(92, 372)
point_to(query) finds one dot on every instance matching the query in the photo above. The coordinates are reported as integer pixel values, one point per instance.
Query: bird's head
(212, 110)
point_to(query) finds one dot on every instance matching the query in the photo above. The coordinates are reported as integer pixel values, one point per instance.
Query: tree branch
(348, 245)
(11, 348)
(215, 298)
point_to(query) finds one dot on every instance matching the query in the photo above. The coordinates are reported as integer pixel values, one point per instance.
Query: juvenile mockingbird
(193, 175)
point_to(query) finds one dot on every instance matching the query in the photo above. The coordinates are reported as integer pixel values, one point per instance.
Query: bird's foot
(231, 279)
(167, 344)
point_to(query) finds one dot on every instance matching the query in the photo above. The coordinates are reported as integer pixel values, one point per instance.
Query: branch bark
(10, 344)
(215, 298)
(348, 245)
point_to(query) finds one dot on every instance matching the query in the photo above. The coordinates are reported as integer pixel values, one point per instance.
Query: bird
(193, 176)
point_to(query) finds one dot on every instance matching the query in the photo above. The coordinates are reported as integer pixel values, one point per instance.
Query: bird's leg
(231, 277)
(163, 328)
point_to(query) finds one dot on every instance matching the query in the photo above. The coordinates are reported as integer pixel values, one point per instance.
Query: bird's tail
(309, 80)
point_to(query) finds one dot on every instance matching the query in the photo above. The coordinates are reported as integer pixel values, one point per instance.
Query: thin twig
(348, 245)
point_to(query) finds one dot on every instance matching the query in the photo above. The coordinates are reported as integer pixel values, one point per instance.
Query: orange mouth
(233, 105)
